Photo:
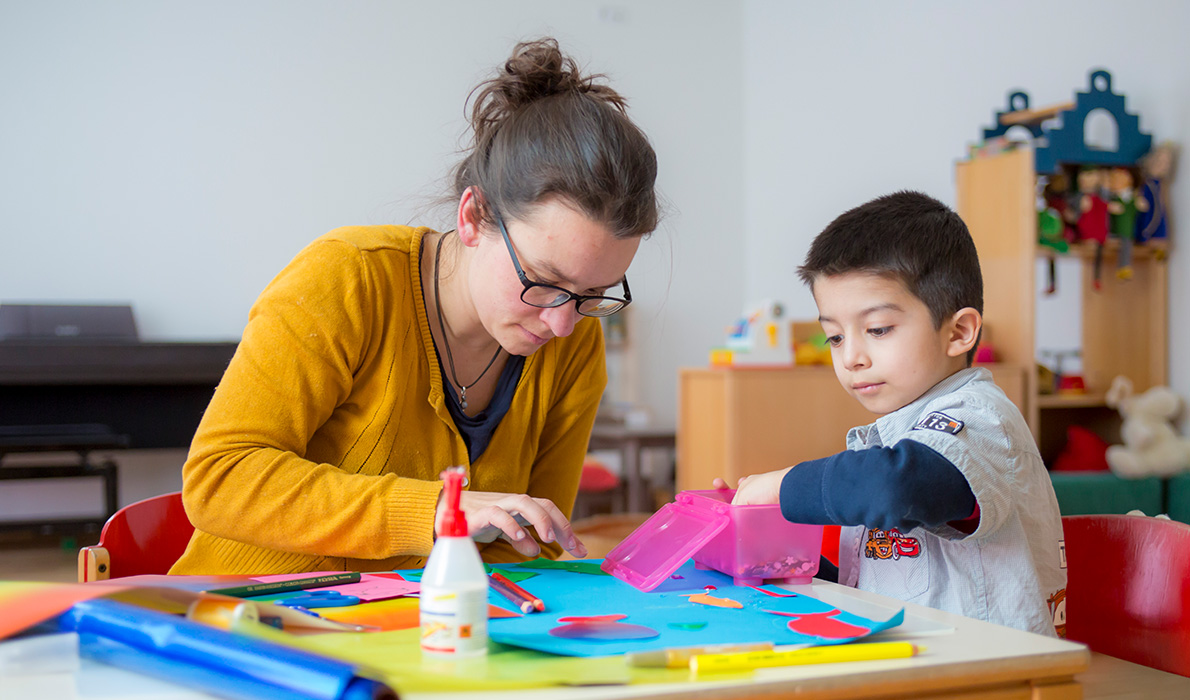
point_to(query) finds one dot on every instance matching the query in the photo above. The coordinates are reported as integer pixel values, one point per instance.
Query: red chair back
(145, 537)
(830, 543)
(1128, 589)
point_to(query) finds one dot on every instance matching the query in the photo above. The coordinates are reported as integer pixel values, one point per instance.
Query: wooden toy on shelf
(761, 337)
(1092, 218)
(1123, 208)
(1012, 200)
(809, 344)
(1060, 132)
(1157, 168)
(1064, 150)
(1066, 143)
(1055, 223)
(1063, 382)
(1020, 116)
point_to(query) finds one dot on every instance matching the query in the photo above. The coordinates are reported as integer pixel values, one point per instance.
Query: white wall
(176, 155)
(847, 101)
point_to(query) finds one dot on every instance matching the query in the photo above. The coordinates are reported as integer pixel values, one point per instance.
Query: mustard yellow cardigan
(322, 445)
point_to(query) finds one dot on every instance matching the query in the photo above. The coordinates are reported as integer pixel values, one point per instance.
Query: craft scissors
(320, 599)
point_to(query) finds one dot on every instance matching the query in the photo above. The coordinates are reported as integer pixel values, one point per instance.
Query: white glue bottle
(454, 587)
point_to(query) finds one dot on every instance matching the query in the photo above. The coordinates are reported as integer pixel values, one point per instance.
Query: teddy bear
(1151, 447)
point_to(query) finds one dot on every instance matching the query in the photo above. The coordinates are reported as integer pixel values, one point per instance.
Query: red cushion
(597, 478)
(1084, 451)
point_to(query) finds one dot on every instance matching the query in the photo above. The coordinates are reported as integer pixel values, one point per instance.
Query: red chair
(145, 537)
(1128, 589)
(830, 543)
(599, 491)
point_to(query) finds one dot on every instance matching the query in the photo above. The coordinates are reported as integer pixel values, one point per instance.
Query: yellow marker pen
(679, 657)
(709, 663)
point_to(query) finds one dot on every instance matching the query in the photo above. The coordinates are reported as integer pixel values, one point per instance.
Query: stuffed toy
(1151, 447)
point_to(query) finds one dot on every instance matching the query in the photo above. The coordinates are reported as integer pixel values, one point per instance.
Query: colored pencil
(535, 602)
(525, 606)
(297, 584)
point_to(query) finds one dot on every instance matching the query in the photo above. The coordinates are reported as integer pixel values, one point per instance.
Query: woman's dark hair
(542, 129)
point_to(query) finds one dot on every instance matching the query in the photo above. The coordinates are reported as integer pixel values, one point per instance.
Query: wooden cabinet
(1124, 324)
(736, 422)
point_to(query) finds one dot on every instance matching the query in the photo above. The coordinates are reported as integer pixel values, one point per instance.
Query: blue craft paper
(567, 595)
(116, 653)
(187, 652)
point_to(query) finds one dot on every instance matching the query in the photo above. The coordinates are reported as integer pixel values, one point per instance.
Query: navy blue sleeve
(903, 486)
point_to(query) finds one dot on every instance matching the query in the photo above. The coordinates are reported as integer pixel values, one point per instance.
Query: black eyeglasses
(547, 296)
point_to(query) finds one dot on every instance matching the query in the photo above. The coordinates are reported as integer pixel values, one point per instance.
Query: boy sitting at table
(944, 499)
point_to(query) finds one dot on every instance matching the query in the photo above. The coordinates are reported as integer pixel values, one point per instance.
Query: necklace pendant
(463, 398)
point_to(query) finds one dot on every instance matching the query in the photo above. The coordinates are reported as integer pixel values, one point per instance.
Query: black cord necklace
(446, 343)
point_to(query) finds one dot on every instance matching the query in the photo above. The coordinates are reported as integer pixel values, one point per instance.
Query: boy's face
(885, 348)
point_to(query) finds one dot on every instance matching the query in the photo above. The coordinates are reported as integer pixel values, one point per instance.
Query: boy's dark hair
(910, 237)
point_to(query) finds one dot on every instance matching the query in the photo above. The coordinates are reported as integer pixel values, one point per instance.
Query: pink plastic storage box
(749, 543)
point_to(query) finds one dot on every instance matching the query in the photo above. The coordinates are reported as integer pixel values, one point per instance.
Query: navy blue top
(477, 430)
(904, 486)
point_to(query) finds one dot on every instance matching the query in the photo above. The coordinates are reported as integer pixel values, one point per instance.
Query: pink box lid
(663, 543)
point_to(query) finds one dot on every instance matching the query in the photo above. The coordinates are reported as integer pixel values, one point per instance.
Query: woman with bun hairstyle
(382, 355)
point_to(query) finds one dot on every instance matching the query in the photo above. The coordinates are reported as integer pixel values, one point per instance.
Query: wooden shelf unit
(1124, 324)
(1071, 400)
(733, 422)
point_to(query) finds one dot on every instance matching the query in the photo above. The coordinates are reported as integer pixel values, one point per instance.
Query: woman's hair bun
(536, 70)
(539, 69)
(544, 129)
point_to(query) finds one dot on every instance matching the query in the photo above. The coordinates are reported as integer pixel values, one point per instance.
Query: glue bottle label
(454, 622)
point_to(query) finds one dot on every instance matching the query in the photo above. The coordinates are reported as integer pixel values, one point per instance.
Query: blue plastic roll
(194, 655)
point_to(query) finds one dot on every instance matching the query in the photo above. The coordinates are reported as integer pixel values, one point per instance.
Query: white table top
(959, 652)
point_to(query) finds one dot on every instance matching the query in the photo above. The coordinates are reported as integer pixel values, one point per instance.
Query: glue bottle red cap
(454, 520)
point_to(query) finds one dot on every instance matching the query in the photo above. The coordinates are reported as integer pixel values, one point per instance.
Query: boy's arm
(904, 486)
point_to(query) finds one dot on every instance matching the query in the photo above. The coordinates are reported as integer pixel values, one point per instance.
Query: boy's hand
(757, 489)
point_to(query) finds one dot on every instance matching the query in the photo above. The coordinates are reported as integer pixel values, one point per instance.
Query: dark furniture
(120, 393)
(155, 393)
(630, 442)
(1102, 492)
(81, 439)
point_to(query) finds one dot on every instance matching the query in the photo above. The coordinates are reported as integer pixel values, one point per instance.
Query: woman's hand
(757, 489)
(493, 515)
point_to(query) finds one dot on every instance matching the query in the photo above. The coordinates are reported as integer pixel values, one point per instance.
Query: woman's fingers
(548, 520)
(492, 515)
(511, 529)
